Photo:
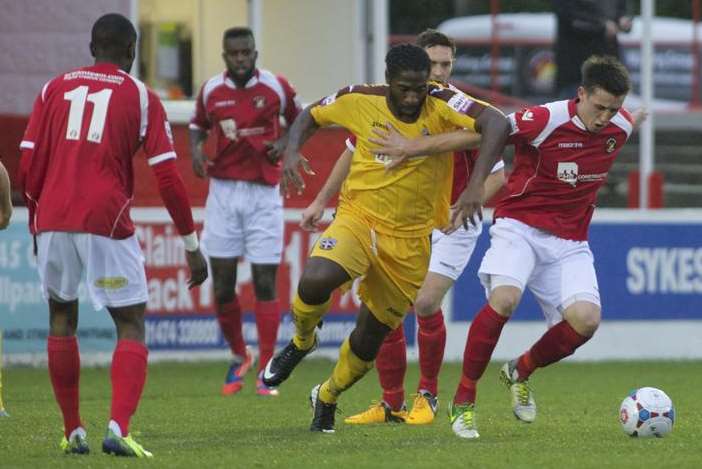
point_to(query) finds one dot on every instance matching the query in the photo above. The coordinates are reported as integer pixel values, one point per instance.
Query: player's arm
(290, 112)
(493, 183)
(5, 198)
(197, 131)
(302, 129)
(398, 147)
(313, 213)
(158, 147)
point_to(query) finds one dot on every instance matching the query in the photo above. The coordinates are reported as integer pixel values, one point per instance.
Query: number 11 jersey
(76, 165)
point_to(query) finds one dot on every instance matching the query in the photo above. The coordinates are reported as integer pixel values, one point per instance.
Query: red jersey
(463, 162)
(558, 167)
(85, 127)
(244, 119)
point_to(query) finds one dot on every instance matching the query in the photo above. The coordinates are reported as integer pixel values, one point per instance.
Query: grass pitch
(184, 421)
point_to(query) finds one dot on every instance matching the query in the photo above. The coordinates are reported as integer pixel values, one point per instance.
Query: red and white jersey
(463, 162)
(558, 167)
(244, 119)
(85, 127)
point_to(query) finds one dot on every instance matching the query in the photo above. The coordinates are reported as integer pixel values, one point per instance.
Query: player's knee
(265, 290)
(584, 317)
(504, 300)
(313, 288)
(224, 290)
(425, 305)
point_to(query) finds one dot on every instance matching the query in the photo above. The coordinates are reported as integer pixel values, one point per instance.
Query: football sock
(482, 337)
(267, 322)
(431, 341)
(64, 370)
(306, 318)
(229, 318)
(391, 363)
(128, 377)
(349, 369)
(557, 343)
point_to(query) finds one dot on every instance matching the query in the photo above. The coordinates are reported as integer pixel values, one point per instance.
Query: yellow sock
(306, 318)
(349, 369)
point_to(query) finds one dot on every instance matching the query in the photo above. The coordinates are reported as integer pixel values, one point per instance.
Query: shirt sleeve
(459, 110)
(336, 109)
(200, 120)
(292, 104)
(527, 124)
(158, 142)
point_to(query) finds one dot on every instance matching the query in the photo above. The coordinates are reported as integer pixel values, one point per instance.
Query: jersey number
(78, 97)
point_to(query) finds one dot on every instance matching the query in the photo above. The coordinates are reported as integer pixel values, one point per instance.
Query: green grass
(185, 422)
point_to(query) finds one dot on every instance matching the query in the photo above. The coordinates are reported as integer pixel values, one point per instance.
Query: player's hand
(5, 215)
(639, 116)
(391, 144)
(200, 165)
(198, 268)
(274, 150)
(292, 161)
(467, 209)
(311, 216)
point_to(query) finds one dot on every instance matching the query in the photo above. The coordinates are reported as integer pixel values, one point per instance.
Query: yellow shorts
(392, 268)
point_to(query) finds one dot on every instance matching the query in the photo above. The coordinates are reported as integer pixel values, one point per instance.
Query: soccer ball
(647, 412)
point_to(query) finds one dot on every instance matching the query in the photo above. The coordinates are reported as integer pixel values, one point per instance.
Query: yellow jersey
(414, 198)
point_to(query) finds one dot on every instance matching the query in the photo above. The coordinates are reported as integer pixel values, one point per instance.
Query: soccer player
(76, 170)
(5, 198)
(244, 209)
(563, 152)
(449, 256)
(384, 219)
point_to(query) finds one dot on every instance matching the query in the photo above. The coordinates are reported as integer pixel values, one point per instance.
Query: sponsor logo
(570, 145)
(226, 102)
(259, 102)
(328, 100)
(460, 102)
(610, 144)
(111, 283)
(379, 125)
(327, 244)
(394, 312)
(568, 173)
(228, 127)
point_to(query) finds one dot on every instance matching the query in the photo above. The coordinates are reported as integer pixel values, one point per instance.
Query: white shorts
(244, 218)
(558, 271)
(450, 253)
(114, 268)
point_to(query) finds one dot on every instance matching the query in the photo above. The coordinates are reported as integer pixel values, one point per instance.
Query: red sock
(431, 340)
(267, 322)
(64, 370)
(229, 317)
(482, 337)
(128, 377)
(557, 343)
(391, 363)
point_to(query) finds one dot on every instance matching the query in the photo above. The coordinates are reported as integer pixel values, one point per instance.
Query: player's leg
(356, 357)
(116, 279)
(60, 270)
(431, 342)
(504, 272)
(267, 310)
(341, 254)
(391, 364)
(223, 241)
(319, 279)
(263, 226)
(567, 291)
(224, 272)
